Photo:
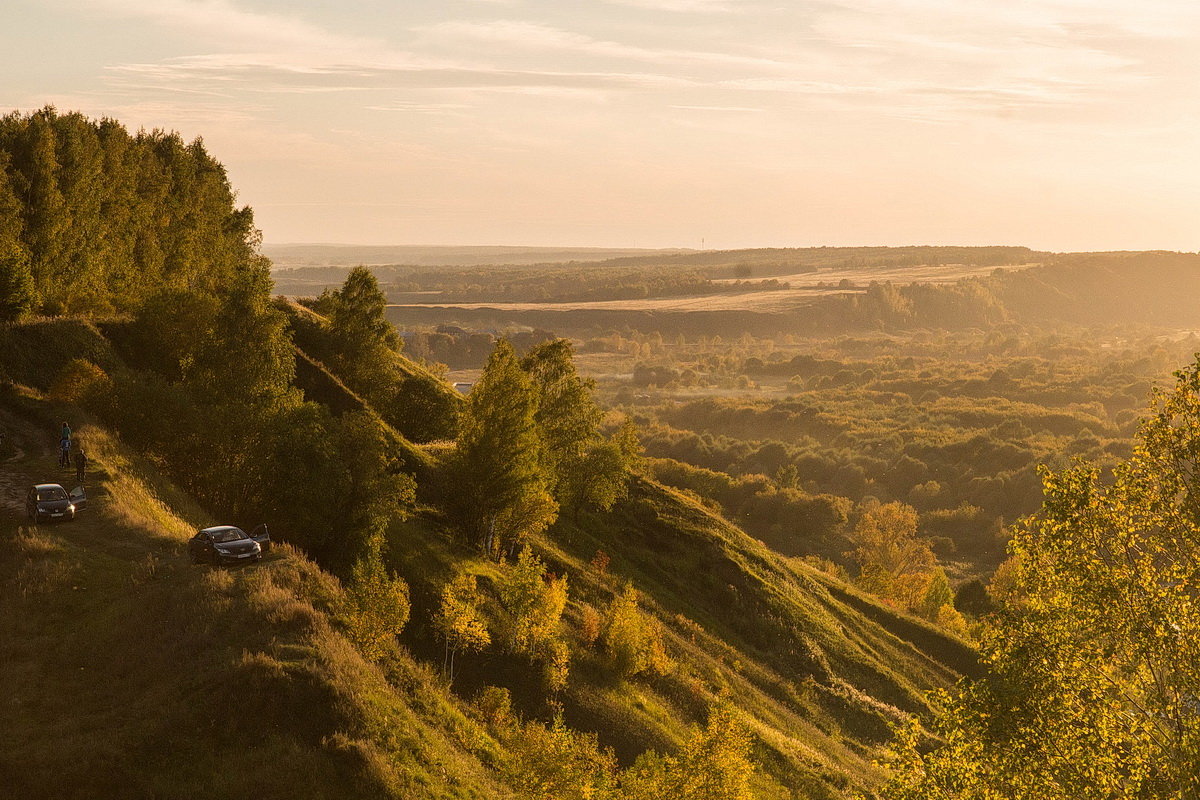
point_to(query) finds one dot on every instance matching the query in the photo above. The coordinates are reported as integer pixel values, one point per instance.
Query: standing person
(81, 461)
(64, 446)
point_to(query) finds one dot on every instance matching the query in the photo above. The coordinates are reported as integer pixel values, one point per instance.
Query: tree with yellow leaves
(377, 603)
(633, 639)
(714, 764)
(894, 563)
(458, 619)
(1093, 688)
(533, 602)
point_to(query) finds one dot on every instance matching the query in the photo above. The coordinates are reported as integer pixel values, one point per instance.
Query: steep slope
(127, 671)
(820, 670)
(308, 329)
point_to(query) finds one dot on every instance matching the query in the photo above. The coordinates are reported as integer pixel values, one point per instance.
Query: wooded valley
(878, 538)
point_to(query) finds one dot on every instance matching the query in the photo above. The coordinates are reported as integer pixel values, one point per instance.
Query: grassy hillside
(184, 664)
(33, 352)
(130, 672)
(820, 669)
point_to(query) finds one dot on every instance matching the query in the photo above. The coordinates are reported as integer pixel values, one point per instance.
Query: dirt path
(33, 461)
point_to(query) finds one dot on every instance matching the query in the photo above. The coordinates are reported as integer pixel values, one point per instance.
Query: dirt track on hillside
(30, 443)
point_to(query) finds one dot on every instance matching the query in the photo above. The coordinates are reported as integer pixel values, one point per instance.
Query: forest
(903, 540)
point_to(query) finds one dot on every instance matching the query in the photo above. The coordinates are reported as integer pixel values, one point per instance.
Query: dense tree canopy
(1095, 652)
(105, 218)
(500, 464)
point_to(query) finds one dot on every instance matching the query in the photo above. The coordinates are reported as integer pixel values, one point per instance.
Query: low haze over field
(1060, 124)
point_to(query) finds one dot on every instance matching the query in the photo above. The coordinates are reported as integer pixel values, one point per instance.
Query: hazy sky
(1061, 124)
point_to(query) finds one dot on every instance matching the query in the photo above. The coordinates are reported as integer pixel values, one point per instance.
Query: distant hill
(286, 256)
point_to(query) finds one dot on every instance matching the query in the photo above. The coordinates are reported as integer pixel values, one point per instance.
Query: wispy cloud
(685, 6)
(419, 108)
(560, 94)
(539, 37)
(229, 72)
(231, 25)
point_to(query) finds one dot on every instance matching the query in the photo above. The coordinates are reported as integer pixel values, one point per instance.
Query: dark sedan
(225, 544)
(49, 501)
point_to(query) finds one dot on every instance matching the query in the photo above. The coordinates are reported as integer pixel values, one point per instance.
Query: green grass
(130, 672)
(133, 672)
(820, 670)
(33, 352)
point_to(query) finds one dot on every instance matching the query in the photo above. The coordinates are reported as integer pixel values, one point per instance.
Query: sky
(1057, 124)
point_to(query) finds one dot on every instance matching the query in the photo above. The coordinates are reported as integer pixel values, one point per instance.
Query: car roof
(49, 486)
(216, 528)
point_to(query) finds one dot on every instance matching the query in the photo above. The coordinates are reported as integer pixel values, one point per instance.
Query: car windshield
(228, 535)
(52, 493)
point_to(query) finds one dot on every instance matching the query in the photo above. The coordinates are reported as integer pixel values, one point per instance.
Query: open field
(286, 256)
(803, 289)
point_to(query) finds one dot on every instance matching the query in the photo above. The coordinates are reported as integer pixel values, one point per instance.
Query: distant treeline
(637, 277)
(576, 287)
(462, 349)
(554, 283)
(92, 218)
(787, 260)
(1156, 288)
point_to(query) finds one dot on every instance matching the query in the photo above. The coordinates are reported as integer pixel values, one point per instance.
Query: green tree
(633, 639)
(107, 219)
(586, 468)
(422, 409)
(377, 603)
(80, 277)
(17, 295)
(533, 603)
(35, 158)
(499, 465)
(248, 352)
(1094, 653)
(566, 413)
(362, 341)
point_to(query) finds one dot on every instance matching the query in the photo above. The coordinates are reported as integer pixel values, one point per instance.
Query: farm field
(802, 290)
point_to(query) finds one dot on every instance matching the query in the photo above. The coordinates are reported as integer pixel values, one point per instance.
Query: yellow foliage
(78, 381)
(633, 639)
(377, 604)
(534, 601)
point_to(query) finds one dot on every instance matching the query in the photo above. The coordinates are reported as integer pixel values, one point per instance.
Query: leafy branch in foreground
(1094, 684)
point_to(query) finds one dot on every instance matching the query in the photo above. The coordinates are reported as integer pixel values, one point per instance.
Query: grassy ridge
(183, 665)
(130, 672)
(820, 669)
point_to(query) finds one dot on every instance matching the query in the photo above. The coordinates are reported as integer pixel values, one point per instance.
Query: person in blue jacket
(64, 446)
